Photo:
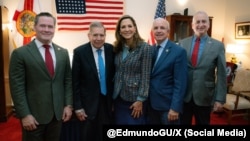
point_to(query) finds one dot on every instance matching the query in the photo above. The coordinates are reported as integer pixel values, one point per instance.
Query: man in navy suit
(92, 106)
(168, 79)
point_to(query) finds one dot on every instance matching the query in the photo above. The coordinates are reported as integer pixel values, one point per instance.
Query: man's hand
(67, 113)
(29, 123)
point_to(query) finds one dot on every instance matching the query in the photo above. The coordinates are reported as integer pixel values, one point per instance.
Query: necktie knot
(198, 39)
(158, 47)
(99, 51)
(46, 46)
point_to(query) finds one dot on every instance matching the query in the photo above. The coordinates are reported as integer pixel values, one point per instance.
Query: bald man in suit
(168, 79)
(207, 78)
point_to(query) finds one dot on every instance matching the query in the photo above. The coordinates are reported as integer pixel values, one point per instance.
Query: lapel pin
(167, 50)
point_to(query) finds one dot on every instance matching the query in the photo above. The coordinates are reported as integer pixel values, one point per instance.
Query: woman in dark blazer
(133, 66)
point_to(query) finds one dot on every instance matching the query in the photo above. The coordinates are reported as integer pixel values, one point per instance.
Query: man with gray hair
(206, 73)
(93, 100)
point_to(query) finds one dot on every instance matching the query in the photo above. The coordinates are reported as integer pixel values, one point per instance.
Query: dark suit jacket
(86, 85)
(32, 88)
(133, 73)
(169, 79)
(206, 81)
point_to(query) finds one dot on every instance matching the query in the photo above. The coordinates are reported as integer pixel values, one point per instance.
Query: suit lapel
(91, 59)
(58, 56)
(189, 49)
(34, 52)
(165, 52)
(206, 49)
(107, 58)
(131, 53)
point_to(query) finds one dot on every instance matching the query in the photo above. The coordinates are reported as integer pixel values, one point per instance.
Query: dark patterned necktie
(157, 51)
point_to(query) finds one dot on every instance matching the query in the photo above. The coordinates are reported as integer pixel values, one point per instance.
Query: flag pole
(160, 12)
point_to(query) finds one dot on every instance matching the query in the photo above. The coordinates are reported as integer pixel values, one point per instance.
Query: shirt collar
(40, 44)
(95, 49)
(163, 44)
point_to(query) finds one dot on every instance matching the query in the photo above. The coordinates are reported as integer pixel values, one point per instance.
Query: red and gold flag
(24, 21)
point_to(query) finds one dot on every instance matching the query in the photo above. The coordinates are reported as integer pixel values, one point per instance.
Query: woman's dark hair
(118, 44)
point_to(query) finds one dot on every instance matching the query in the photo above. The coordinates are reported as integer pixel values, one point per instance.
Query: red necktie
(195, 52)
(49, 60)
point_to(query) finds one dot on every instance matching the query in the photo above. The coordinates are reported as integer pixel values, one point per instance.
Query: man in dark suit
(93, 106)
(207, 78)
(42, 100)
(168, 79)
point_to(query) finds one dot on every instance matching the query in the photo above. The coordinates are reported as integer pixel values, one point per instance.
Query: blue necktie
(102, 72)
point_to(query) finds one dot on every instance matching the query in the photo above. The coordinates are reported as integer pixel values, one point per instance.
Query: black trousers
(71, 129)
(201, 114)
(44, 132)
(91, 129)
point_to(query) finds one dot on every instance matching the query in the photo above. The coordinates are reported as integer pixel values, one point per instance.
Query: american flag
(78, 14)
(160, 12)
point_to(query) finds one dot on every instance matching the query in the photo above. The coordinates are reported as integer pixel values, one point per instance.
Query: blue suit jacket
(169, 79)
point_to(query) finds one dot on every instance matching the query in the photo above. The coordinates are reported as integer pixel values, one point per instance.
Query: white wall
(237, 11)
(224, 12)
